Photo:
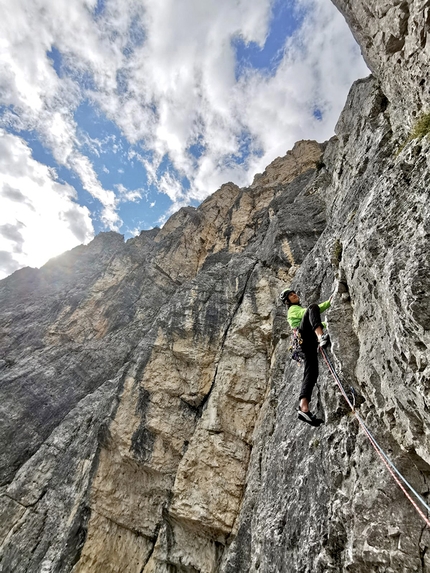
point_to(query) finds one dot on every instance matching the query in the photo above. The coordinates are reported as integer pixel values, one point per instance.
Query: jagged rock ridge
(182, 319)
(151, 384)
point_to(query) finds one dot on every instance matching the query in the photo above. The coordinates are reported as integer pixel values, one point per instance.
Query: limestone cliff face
(395, 42)
(148, 399)
(135, 373)
(323, 501)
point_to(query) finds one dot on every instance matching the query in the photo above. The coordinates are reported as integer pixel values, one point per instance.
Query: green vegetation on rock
(421, 127)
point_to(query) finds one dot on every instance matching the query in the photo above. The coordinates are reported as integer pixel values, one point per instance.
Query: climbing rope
(398, 477)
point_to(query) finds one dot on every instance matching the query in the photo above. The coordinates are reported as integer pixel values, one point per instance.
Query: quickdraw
(295, 348)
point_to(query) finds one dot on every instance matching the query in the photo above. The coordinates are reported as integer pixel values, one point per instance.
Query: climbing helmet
(285, 294)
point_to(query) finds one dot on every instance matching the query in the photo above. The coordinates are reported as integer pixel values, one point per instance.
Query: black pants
(310, 321)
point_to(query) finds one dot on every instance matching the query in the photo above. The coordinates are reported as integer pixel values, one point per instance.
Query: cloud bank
(167, 75)
(39, 217)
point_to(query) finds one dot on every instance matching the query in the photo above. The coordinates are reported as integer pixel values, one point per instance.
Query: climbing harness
(387, 462)
(295, 348)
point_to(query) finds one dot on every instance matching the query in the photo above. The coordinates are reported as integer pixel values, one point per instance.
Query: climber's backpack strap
(297, 353)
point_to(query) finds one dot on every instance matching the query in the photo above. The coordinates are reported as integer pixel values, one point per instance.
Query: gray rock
(147, 395)
(322, 500)
(394, 40)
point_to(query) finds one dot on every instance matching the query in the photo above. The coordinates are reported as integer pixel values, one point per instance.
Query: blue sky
(285, 19)
(117, 113)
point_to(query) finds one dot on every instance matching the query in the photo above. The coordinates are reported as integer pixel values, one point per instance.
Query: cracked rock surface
(394, 37)
(322, 500)
(148, 401)
(148, 363)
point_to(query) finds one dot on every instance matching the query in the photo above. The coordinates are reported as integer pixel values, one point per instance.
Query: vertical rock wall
(174, 469)
(322, 500)
(147, 397)
(395, 41)
(187, 312)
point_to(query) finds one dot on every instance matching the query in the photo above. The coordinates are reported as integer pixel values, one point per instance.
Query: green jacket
(296, 312)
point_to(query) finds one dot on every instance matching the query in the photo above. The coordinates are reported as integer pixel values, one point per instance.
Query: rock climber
(310, 327)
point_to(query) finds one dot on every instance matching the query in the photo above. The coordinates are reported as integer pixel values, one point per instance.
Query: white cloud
(41, 100)
(320, 62)
(132, 195)
(39, 217)
(169, 185)
(134, 232)
(165, 72)
(182, 88)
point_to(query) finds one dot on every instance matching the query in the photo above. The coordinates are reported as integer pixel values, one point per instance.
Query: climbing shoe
(323, 340)
(309, 418)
